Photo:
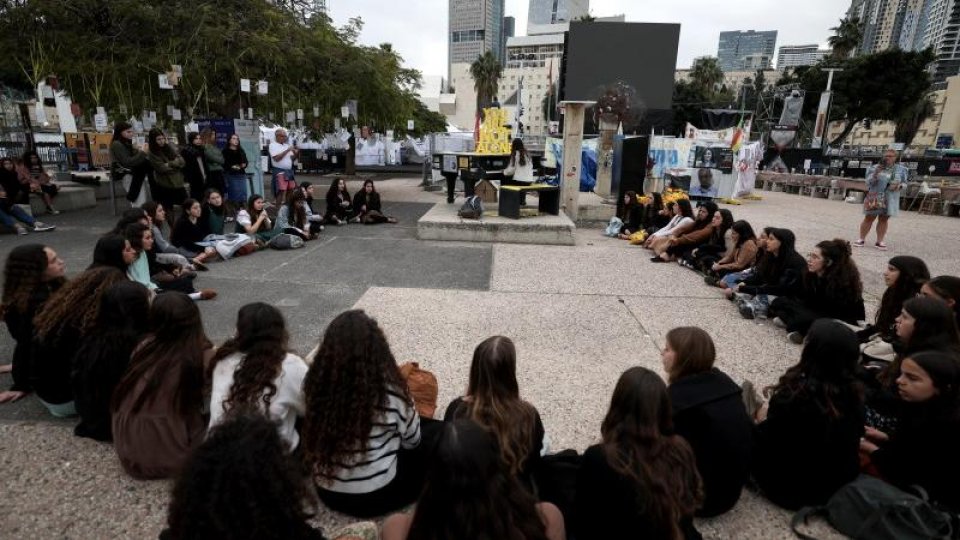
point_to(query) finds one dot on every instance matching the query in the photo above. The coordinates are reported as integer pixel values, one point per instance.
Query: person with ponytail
(254, 370)
(831, 289)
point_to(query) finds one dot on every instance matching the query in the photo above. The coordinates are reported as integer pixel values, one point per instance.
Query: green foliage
(486, 71)
(846, 38)
(706, 75)
(109, 53)
(909, 122)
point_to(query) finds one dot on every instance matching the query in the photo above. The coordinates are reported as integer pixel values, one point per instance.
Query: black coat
(371, 201)
(784, 280)
(20, 326)
(802, 454)
(708, 412)
(814, 302)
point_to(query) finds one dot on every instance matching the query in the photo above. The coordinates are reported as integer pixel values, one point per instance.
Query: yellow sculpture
(494, 135)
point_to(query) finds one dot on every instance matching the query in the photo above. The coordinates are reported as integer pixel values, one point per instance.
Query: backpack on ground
(472, 208)
(869, 508)
(423, 388)
(285, 241)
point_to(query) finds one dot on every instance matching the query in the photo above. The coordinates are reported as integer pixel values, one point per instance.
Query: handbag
(613, 229)
(423, 388)
(875, 201)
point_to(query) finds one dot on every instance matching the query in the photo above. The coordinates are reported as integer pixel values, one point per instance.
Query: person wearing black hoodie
(709, 413)
(808, 438)
(779, 273)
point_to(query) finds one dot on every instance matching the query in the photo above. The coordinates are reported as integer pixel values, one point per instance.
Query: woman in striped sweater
(361, 432)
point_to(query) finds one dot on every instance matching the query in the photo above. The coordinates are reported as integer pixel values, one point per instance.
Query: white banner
(820, 128)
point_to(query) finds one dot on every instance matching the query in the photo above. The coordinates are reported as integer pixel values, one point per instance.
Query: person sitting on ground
(33, 176)
(31, 275)
(719, 245)
(16, 192)
(366, 204)
(808, 436)
(213, 214)
(255, 221)
(363, 452)
(830, 289)
(708, 412)
(254, 370)
(779, 273)
(156, 408)
(743, 255)
(339, 206)
(64, 321)
(127, 159)
(679, 244)
(104, 354)
(16, 218)
(212, 497)
(680, 224)
(493, 402)
(904, 278)
(190, 229)
(195, 167)
(312, 214)
(946, 288)
(733, 279)
(923, 451)
(655, 215)
(168, 187)
(631, 215)
(154, 275)
(642, 480)
(157, 217)
(292, 218)
(469, 493)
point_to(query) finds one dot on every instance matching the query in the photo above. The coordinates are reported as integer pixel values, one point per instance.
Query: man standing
(281, 161)
(884, 182)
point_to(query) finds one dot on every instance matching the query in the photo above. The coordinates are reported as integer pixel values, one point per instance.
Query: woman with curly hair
(157, 407)
(904, 277)
(31, 275)
(641, 481)
(295, 217)
(254, 371)
(493, 402)
(212, 497)
(946, 288)
(361, 431)
(808, 437)
(831, 290)
(65, 320)
(104, 354)
(470, 494)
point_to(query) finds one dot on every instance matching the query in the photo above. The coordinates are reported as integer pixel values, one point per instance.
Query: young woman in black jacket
(946, 288)
(904, 278)
(32, 273)
(339, 208)
(189, 228)
(831, 289)
(808, 439)
(631, 214)
(708, 412)
(778, 273)
(366, 204)
(195, 165)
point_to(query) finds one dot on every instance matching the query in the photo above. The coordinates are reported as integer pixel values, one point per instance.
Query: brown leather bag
(423, 388)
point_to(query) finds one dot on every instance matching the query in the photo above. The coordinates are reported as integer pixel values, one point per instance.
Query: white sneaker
(20, 229)
(39, 226)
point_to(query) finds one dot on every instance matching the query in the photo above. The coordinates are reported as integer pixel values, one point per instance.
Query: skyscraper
(509, 30)
(476, 26)
(556, 11)
(799, 55)
(739, 50)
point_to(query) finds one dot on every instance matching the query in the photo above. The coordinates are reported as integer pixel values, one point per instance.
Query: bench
(549, 199)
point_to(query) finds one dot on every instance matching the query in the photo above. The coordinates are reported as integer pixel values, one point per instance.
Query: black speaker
(629, 164)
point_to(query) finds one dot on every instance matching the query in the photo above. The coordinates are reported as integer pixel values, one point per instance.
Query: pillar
(572, 147)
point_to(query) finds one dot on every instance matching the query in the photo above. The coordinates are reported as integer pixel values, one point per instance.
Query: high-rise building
(739, 50)
(476, 26)
(799, 55)
(556, 11)
(509, 30)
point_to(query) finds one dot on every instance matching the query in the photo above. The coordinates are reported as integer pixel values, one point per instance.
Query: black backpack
(472, 208)
(869, 508)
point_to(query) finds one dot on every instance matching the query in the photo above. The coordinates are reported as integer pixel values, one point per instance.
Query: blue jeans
(732, 279)
(10, 216)
(237, 188)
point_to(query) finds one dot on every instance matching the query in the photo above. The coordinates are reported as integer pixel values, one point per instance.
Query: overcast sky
(418, 28)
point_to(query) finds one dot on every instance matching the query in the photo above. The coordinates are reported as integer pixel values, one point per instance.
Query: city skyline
(701, 23)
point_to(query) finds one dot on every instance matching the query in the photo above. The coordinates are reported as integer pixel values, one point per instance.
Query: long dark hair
(944, 370)
(354, 352)
(629, 205)
(76, 305)
(913, 273)
(947, 288)
(686, 209)
(166, 151)
(22, 276)
(296, 213)
(134, 234)
(129, 216)
(771, 265)
(469, 494)
(517, 149)
(657, 201)
(239, 483)
(744, 232)
(262, 340)
(826, 373)
(334, 189)
(934, 326)
(711, 208)
(639, 443)
(841, 277)
(494, 400)
(118, 130)
(109, 252)
(726, 222)
(177, 344)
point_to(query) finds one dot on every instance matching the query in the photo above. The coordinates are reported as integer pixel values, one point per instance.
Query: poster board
(249, 133)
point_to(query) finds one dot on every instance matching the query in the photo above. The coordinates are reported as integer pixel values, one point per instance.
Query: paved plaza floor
(579, 316)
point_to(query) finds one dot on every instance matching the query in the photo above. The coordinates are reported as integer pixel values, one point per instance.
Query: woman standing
(126, 159)
(339, 206)
(214, 159)
(366, 204)
(884, 182)
(195, 169)
(167, 172)
(235, 168)
(32, 274)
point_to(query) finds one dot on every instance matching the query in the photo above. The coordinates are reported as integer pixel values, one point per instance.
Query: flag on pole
(737, 142)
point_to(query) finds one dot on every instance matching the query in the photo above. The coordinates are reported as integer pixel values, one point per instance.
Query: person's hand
(209, 250)
(6, 368)
(875, 435)
(264, 214)
(177, 271)
(762, 412)
(11, 395)
(728, 293)
(363, 208)
(715, 267)
(868, 447)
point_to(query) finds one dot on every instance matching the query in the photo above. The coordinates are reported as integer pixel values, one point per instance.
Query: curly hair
(639, 443)
(240, 483)
(344, 389)
(76, 305)
(22, 275)
(494, 401)
(262, 340)
(841, 277)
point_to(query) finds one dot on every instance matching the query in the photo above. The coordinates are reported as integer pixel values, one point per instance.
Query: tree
(908, 123)
(706, 75)
(486, 71)
(846, 37)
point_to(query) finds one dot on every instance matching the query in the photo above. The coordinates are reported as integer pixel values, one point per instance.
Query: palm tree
(706, 75)
(846, 37)
(486, 71)
(908, 124)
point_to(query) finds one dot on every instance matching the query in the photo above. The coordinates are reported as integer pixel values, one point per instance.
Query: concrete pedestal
(442, 223)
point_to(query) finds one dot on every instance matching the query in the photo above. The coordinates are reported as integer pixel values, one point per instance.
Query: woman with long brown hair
(361, 430)
(254, 371)
(641, 481)
(32, 274)
(493, 402)
(157, 407)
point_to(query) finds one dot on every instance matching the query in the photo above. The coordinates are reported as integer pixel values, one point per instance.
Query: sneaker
(711, 281)
(751, 398)
(795, 337)
(859, 243)
(746, 311)
(321, 228)
(355, 220)
(20, 229)
(657, 260)
(778, 322)
(881, 246)
(207, 294)
(52, 211)
(39, 226)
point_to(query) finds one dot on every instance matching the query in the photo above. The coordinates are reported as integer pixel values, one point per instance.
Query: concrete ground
(579, 315)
